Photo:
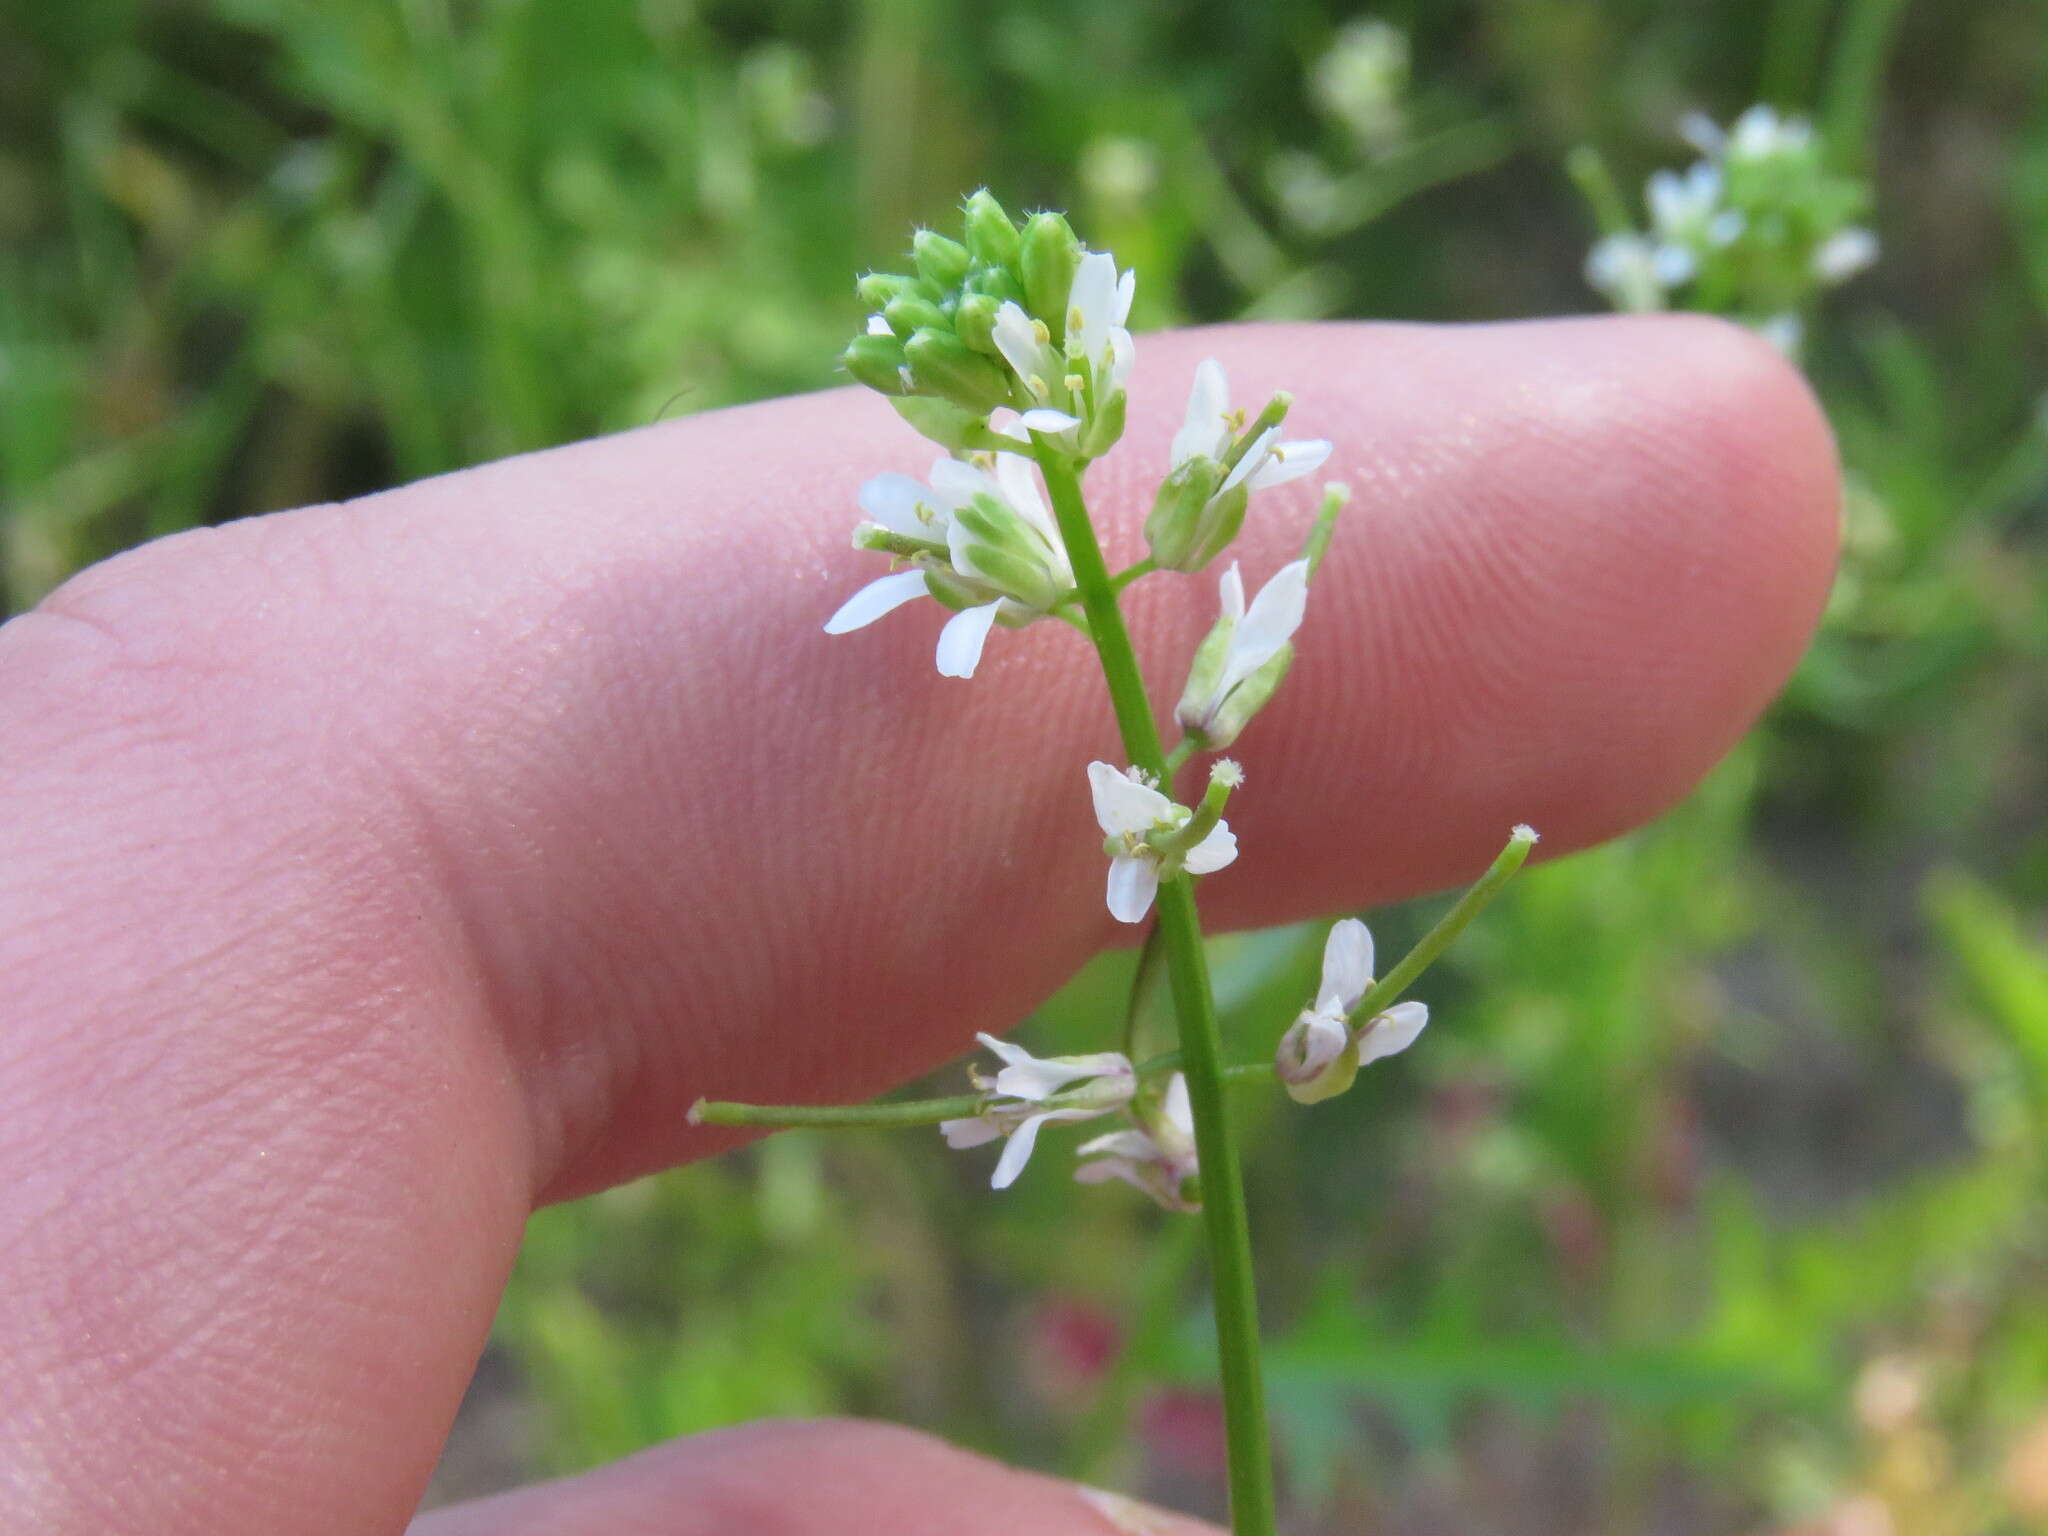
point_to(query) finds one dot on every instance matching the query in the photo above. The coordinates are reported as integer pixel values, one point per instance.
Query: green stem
(1131, 573)
(877, 1117)
(1223, 1205)
(839, 1116)
(1387, 991)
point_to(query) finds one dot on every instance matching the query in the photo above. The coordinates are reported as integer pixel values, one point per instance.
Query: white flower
(1251, 638)
(1015, 579)
(1069, 1088)
(1636, 272)
(1843, 254)
(1761, 134)
(1686, 210)
(1211, 426)
(1786, 332)
(1159, 1159)
(1320, 1053)
(1067, 388)
(1136, 816)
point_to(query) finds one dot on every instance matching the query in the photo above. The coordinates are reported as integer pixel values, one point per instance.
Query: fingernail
(1127, 1516)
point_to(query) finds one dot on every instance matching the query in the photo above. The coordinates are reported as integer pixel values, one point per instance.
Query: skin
(375, 873)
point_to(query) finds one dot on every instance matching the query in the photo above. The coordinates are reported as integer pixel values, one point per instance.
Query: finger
(809, 1479)
(377, 869)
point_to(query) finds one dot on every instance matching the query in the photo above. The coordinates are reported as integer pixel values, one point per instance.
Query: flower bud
(908, 314)
(952, 427)
(1049, 257)
(974, 322)
(876, 289)
(991, 541)
(1190, 524)
(1317, 1059)
(992, 240)
(1103, 427)
(999, 283)
(940, 262)
(876, 361)
(942, 364)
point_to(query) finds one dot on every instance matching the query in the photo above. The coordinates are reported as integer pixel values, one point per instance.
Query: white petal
(1123, 353)
(877, 326)
(1018, 1152)
(1019, 485)
(1134, 1144)
(875, 599)
(1045, 419)
(1204, 433)
(960, 642)
(1702, 133)
(1103, 1169)
(1180, 1114)
(893, 500)
(957, 483)
(1037, 1079)
(1395, 1030)
(1209, 855)
(1347, 967)
(1122, 804)
(1016, 339)
(1290, 461)
(1089, 302)
(1230, 594)
(1132, 885)
(1311, 1043)
(970, 1132)
(1844, 254)
(1270, 622)
(1254, 459)
(1126, 290)
(1673, 264)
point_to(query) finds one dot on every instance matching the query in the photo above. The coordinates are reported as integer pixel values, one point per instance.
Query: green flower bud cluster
(931, 344)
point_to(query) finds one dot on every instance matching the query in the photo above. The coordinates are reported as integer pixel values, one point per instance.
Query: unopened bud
(974, 322)
(1103, 427)
(876, 361)
(1190, 525)
(942, 364)
(908, 314)
(878, 288)
(1049, 256)
(992, 239)
(1317, 1059)
(940, 261)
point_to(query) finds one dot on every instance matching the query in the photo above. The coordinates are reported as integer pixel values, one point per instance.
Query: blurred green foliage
(1714, 1204)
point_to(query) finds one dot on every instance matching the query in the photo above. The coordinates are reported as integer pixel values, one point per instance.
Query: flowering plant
(1755, 229)
(1009, 349)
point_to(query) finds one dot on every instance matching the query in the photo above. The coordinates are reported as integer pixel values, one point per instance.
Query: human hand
(375, 873)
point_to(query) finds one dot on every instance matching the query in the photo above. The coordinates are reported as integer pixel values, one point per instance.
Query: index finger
(380, 870)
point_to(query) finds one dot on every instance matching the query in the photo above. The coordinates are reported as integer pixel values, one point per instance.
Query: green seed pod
(876, 361)
(907, 314)
(942, 364)
(974, 322)
(1050, 255)
(940, 262)
(992, 240)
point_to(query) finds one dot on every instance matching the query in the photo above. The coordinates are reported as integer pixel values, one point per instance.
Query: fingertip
(829, 1477)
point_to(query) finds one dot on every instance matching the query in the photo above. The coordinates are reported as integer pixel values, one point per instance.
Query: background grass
(1715, 1205)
